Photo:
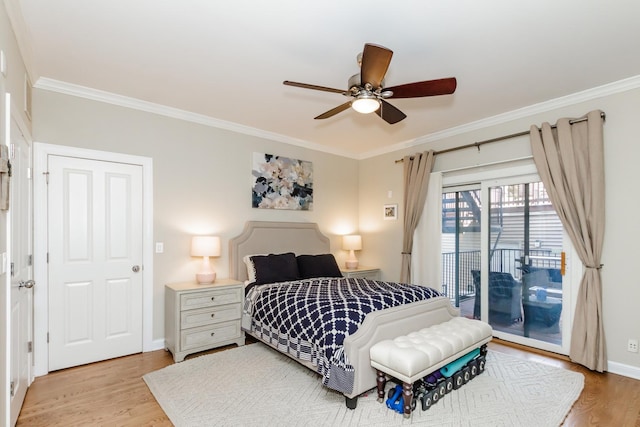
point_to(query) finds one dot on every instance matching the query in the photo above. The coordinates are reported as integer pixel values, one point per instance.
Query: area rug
(254, 385)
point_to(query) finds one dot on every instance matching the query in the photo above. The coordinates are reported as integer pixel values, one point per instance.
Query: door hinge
(12, 388)
(12, 151)
(47, 337)
(12, 269)
(47, 257)
(30, 347)
(30, 260)
(46, 177)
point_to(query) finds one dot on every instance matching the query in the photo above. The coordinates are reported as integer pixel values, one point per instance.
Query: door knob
(135, 268)
(28, 284)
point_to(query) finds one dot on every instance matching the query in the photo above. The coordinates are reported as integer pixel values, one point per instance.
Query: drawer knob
(213, 333)
(213, 314)
(213, 298)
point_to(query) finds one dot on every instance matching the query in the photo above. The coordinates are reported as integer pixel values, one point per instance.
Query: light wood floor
(112, 393)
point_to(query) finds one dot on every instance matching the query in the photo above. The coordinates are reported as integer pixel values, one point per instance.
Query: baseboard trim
(624, 370)
(613, 367)
(157, 345)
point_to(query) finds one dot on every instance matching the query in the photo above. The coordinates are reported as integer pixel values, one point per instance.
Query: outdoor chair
(505, 297)
(553, 275)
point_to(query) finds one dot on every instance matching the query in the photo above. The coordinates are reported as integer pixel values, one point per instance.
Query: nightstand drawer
(209, 316)
(210, 298)
(206, 336)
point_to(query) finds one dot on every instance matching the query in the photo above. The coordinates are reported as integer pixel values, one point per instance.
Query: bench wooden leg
(381, 381)
(407, 394)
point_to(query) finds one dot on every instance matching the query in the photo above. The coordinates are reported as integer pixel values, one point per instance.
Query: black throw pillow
(275, 268)
(323, 265)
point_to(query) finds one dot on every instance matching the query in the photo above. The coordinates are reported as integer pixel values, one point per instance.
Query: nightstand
(201, 317)
(362, 272)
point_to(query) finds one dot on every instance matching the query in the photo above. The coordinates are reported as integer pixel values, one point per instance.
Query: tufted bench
(418, 354)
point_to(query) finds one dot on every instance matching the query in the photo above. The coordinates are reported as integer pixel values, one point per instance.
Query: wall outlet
(632, 345)
(159, 247)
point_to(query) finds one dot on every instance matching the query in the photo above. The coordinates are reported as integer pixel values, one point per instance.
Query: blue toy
(395, 400)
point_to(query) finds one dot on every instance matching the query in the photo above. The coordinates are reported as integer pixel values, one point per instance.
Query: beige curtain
(570, 161)
(416, 181)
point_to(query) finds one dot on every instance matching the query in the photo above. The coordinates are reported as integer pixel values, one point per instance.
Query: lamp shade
(205, 246)
(352, 242)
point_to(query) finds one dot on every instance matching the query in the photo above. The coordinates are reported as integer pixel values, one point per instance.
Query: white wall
(621, 291)
(202, 179)
(16, 71)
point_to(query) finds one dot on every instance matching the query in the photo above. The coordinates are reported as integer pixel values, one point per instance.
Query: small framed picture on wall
(390, 212)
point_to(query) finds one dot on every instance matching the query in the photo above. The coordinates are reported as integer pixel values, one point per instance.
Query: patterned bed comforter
(309, 319)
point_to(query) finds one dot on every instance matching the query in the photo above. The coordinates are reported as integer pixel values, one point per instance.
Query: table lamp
(352, 243)
(205, 246)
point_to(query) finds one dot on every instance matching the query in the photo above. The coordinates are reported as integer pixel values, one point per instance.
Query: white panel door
(21, 271)
(95, 260)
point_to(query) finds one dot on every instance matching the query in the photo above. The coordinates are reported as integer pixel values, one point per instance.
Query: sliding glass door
(525, 262)
(503, 259)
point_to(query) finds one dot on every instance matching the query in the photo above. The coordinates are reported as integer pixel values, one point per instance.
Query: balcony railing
(506, 260)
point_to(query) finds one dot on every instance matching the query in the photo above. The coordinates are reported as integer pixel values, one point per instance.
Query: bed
(264, 237)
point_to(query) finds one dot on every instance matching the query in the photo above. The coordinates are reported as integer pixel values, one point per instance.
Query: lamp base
(205, 278)
(351, 265)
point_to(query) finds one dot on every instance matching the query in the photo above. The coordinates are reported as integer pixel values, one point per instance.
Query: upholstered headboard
(266, 237)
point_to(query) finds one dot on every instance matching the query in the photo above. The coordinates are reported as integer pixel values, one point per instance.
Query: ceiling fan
(367, 88)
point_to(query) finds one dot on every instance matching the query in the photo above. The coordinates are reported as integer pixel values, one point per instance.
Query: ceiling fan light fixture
(367, 89)
(365, 104)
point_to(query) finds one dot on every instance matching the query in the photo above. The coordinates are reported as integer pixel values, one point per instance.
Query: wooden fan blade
(389, 113)
(427, 88)
(334, 111)
(375, 62)
(314, 87)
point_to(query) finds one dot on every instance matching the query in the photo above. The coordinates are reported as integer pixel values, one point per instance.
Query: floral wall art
(281, 183)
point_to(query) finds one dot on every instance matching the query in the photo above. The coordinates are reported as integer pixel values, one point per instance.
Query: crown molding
(176, 113)
(150, 107)
(575, 98)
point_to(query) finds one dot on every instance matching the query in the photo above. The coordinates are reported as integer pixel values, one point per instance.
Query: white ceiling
(225, 61)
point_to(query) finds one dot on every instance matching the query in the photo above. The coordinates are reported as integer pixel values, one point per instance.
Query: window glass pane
(525, 245)
(461, 226)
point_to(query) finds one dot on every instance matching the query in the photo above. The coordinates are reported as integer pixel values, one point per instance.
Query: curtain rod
(500, 138)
